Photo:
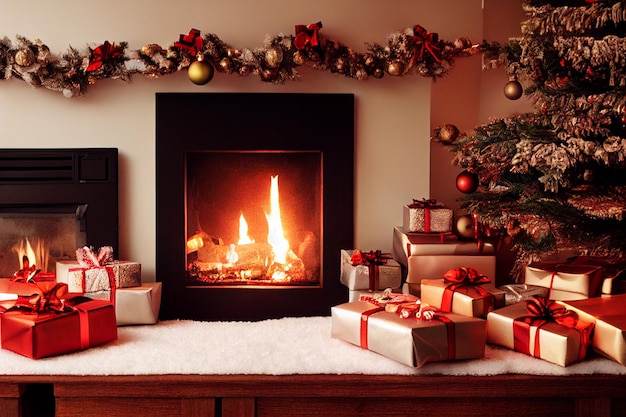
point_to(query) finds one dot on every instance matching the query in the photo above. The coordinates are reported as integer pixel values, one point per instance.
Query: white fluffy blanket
(271, 347)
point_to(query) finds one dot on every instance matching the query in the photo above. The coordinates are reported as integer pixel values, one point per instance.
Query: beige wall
(393, 114)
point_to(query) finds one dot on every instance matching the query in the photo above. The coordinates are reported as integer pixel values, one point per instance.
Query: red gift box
(48, 325)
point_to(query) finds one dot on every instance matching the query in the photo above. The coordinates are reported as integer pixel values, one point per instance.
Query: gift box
(369, 270)
(541, 329)
(566, 280)
(407, 244)
(135, 305)
(609, 315)
(82, 324)
(515, 293)
(410, 341)
(468, 294)
(356, 295)
(428, 216)
(115, 274)
(435, 266)
(614, 281)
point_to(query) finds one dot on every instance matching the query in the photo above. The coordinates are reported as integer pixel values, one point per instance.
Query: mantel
(292, 367)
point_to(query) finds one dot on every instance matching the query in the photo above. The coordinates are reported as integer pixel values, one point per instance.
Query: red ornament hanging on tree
(467, 182)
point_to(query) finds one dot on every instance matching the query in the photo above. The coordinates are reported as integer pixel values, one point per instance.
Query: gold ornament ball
(465, 227)
(299, 58)
(200, 72)
(395, 68)
(378, 73)
(274, 57)
(24, 57)
(447, 134)
(513, 90)
(226, 65)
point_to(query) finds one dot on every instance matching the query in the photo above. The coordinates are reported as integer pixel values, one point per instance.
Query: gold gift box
(568, 281)
(357, 277)
(609, 315)
(437, 220)
(411, 342)
(466, 301)
(127, 274)
(135, 305)
(557, 344)
(436, 266)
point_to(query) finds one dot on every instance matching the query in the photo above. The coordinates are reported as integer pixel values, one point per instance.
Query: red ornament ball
(467, 182)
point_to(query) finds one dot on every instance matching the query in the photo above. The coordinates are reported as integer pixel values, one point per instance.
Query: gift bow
(426, 42)
(191, 42)
(87, 258)
(430, 203)
(48, 298)
(372, 259)
(542, 311)
(469, 279)
(307, 37)
(465, 275)
(102, 54)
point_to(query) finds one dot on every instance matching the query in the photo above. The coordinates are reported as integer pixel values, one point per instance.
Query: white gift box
(135, 305)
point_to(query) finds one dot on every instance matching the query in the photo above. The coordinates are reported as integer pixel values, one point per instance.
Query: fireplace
(254, 203)
(53, 201)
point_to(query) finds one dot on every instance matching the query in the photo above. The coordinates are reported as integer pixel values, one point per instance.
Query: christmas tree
(553, 181)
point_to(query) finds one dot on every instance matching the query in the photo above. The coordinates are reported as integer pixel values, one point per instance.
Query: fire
(244, 239)
(31, 259)
(275, 235)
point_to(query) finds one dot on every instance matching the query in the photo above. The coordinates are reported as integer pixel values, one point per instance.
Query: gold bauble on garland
(274, 57)
(395, 68)
(200, 72)
(24, 57)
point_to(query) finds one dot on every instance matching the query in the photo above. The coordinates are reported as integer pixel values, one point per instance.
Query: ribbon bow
(191, 42)
(87, 258)
(468, 279)
(372, 259)
(423, 203)
(465, 275)
(426, 42)
(307, 37)
(50, 299)
(542, 311)
(102, 54)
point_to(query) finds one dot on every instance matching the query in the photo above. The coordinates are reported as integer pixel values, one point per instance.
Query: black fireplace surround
(188, 123)
(81, 182)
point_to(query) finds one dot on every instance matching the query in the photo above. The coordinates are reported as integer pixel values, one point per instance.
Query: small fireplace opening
(53, 201)
(254, 203)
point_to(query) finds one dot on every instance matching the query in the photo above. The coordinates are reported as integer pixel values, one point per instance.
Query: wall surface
(392, 115)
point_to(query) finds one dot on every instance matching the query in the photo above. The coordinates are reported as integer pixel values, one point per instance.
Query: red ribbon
(307, 37)
(426, 42)
(372, 259)
(427, 205)
(542, 311)
(191, 42)
(48, 298)
(364, 324)
(88, 259)
(102, 54)
(467, 279)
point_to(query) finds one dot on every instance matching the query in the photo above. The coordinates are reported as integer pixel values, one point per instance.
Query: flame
(35, 257)
(275, 236)
(244, 239)
(232, 256)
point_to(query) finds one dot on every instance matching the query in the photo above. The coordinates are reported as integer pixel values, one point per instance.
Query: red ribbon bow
(50, 299)
(102, 54)
(307, 37)
(191, 42)
(542, 311)
(87, 258)
(426, 42)
(423, 203)
(373, 259)
(467, 279)
(465, 275)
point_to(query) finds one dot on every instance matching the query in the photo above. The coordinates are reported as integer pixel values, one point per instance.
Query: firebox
(254, 203)
(53, 201)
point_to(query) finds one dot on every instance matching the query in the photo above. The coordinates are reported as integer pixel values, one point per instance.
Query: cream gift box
(87, 280)
(135, 305)
(428, 216)
(609, 315)
(357, 277)
(568, 281)
(551, 342)
(435, 266)
(405, 245)
(474, 300)
(410, 341)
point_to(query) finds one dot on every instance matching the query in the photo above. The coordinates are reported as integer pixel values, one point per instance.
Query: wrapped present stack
(98, 275)
(45, 320)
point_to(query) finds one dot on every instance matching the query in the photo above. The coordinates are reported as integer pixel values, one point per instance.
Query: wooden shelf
(321, 395)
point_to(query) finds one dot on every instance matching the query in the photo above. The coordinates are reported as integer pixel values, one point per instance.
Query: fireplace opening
(254, 218)
(254, 203)
(53, 201)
